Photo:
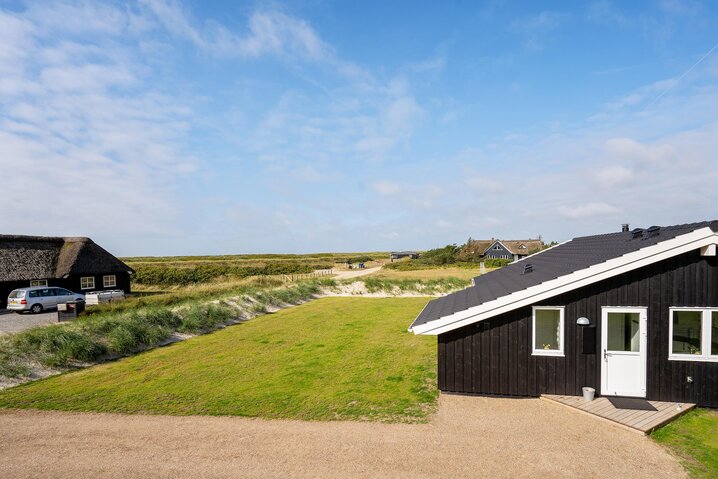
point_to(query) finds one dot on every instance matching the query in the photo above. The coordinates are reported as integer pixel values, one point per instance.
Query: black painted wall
(494, 356)
(72, 283)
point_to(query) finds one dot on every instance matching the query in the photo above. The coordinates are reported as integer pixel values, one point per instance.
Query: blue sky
(164, 127)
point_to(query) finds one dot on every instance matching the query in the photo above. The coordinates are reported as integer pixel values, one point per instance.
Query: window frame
(562, 325)
(114, 281)
(87, 287)
(38, 282)
(706, 331)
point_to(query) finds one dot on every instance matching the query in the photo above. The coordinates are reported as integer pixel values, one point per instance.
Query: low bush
(496, 262)
(164, 275)
(359, 259)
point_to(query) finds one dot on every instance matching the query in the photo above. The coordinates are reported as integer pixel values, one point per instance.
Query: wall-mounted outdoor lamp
(583, 321)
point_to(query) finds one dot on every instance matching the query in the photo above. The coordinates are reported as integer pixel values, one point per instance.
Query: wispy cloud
(268, 32)
(536, 29)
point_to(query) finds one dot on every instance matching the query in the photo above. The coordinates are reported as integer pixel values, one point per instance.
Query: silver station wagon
(36, 299)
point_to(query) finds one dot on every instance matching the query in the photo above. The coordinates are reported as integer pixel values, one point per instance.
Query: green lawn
(694, 438)
(333, 358)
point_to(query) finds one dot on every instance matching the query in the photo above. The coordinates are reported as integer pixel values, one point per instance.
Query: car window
(17, 294)
(55, 291)
(63, 292)
(33, 293)
(48, 292)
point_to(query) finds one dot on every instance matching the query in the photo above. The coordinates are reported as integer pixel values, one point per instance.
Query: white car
(36, 299)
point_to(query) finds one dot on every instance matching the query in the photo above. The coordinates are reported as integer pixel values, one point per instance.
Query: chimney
(624, 228)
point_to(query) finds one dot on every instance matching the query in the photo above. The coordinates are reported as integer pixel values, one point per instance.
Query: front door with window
(623, 344)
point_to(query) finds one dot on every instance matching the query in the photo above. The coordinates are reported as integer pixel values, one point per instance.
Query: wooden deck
(634, 420)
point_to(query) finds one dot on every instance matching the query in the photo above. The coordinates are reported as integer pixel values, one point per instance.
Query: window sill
(692, 358)
(558, 354)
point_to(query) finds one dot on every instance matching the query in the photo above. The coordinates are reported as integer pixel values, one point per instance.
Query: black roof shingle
(566, 258)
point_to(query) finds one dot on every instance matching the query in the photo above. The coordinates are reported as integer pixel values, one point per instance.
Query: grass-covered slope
(334, 358)
(694, 439)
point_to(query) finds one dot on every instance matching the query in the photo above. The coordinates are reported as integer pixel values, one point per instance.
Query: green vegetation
(452, 271)
(192, 270)
(334, 358)
(254, 259)
(170, 274)
(429, 286)
(694, 439)
(131, 326)
(450, 255)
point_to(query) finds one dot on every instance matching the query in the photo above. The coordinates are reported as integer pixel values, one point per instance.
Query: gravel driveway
(469, 437)
(11, 322)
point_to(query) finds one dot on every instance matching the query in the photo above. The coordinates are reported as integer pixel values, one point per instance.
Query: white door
(623, 341)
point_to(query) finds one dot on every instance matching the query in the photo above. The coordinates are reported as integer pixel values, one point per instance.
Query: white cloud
(386, 188)
(269, 32)
(630, 149)
(612, 176)
(587, 210)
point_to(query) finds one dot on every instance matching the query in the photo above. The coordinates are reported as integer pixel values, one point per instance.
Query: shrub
(496, 262)
(154, 274)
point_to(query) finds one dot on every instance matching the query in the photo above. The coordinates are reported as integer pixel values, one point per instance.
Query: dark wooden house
(77, 264)
(403, 254)
(633, 313)
(512, 249)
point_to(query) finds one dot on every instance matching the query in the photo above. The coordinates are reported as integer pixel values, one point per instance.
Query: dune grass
(694, 439)
(464, 274)
(333, 358)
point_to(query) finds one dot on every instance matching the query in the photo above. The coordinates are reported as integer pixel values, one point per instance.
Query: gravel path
(11, 322)
(469, 437)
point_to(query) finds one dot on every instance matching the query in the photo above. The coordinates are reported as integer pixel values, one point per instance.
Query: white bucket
(588, 394)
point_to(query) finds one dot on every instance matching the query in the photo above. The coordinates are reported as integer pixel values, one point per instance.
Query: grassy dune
(694, 439)
(333, 358)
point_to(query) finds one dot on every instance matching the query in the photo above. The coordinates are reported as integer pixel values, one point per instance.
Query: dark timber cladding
(494, 356)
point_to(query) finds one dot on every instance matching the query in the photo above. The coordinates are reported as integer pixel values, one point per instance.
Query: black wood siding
(494, 356)
(72, 283)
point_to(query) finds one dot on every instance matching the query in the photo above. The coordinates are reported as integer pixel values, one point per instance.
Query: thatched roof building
(73, 263)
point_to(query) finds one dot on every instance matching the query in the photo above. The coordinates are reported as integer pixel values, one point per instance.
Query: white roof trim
(526, 297)
(492, 245)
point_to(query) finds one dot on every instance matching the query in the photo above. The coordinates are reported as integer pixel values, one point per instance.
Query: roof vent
(637, 233)
(624, 228)
(652, 231)
(528, 268)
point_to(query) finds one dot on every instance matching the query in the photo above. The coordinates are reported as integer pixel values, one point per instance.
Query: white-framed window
(497, 247)
(547, 331)
(109, 281)
(38, 282)
(87, 282)
(693, 334)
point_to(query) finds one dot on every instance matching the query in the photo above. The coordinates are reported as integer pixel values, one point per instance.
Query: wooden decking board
(631, 419)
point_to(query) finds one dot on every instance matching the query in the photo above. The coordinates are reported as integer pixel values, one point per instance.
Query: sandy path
(355, 273)
(469, 437)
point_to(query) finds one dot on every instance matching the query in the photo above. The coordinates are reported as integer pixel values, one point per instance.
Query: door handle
(605, 355)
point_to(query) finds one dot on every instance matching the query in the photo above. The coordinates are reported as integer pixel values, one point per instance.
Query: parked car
(36, 299)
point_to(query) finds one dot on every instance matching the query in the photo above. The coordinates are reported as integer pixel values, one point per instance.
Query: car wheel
(36, 308)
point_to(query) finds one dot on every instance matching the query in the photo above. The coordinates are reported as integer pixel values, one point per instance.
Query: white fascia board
(492, 245)
(613, 267)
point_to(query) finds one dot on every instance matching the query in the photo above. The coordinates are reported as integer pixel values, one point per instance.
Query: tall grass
(121, 331)
(429, 286)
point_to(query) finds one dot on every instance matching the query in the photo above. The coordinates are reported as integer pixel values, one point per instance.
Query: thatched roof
(23, 258)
